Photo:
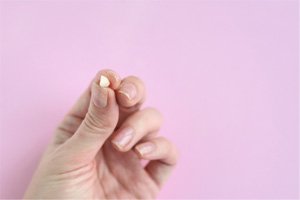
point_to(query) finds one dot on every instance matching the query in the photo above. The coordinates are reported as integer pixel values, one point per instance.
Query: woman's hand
(97, 149)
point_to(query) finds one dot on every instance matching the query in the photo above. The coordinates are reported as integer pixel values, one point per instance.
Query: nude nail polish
(145, 148)
(99, 97)
(129, 90)
(123, 138)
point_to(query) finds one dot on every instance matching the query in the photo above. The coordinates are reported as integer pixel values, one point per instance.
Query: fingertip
(146, 149)
(99, 96)
(131, 92)
(118, 147)
(103, 98)
(123, 138)
(112, 76)
(103, 86)
(140, 156)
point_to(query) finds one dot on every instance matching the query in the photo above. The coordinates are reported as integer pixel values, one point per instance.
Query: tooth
(104, 82)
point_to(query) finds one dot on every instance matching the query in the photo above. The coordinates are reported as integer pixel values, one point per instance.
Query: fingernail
(104, 82)
(99, 96)
(123, 138)
(129, 90)
(145, 148)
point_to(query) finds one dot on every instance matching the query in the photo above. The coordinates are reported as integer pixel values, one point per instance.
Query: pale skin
(97, 149)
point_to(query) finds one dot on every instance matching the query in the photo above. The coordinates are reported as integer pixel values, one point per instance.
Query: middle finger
(136, 127)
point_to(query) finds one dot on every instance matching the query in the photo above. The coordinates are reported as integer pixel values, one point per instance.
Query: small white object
(104, 82)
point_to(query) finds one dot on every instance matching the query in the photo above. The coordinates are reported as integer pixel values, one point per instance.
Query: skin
(84, 159)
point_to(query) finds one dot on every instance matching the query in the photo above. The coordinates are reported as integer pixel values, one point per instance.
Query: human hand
(97, 149)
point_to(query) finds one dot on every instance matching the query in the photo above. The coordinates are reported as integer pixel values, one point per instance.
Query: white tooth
(104, 82)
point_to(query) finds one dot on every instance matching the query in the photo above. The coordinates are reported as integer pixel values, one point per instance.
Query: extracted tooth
(104, 82)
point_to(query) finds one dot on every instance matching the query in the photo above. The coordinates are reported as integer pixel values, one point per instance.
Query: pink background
(223, 73)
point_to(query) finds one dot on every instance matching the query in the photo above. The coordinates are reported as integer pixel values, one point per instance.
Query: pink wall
(224, 74)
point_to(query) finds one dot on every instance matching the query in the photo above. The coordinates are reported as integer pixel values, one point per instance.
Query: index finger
(130, 95)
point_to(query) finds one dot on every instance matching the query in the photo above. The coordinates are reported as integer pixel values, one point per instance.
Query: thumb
(98, 124)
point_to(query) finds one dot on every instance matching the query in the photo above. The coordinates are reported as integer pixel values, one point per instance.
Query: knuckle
(171, 150)
(94, 124)
(91, 125)
(153, 112)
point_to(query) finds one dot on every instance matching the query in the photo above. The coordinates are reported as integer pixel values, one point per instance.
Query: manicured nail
(145, 148)
(129, 90)
(104, 82)
(123, 138)
(99, 96)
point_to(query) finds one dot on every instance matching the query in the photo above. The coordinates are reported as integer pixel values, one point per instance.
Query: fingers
(157, 149)
(80, 108)
(136, 127)
(131, 91)
(163, 156)
(130, 96)
(74, 117)
(77, 113)
(99, 122)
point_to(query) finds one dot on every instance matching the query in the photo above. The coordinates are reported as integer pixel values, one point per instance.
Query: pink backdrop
(223, 73)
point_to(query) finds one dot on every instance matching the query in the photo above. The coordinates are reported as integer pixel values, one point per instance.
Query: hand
(97, 149)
